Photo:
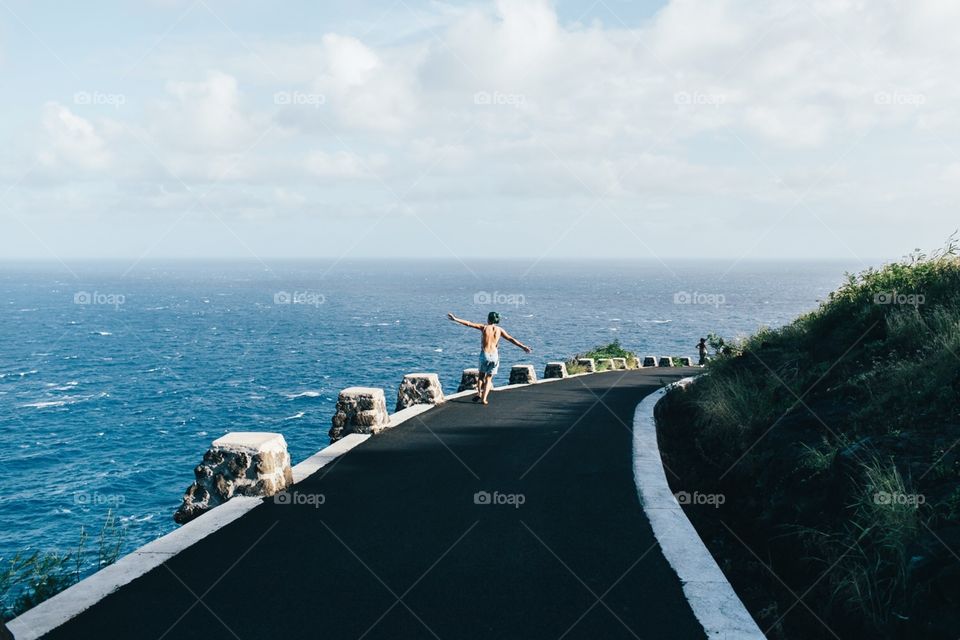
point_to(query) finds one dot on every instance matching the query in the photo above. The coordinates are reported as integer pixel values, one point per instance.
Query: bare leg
(487, 385)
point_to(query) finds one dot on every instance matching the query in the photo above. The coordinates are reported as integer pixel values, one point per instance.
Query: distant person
(490, 335)
(702, 349)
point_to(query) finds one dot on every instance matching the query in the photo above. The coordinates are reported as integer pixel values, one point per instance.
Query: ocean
(114, 380)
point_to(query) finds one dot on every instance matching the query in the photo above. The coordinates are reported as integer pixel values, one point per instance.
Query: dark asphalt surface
(400, 549)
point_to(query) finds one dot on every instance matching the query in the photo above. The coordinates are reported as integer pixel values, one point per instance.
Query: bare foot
(486, 402)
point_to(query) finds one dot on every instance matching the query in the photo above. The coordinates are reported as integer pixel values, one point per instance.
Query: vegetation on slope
(30, 577)
(835, 442)
(602, 352)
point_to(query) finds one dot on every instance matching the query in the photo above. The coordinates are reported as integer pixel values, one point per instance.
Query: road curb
(711, 596)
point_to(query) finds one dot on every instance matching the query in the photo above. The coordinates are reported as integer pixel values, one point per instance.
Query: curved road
(406, 543)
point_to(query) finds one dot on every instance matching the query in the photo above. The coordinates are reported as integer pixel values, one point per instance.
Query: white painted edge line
(69, 603)
(712, 598)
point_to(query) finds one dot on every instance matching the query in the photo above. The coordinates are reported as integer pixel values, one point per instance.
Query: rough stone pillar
(619, 363)
(359, 410)
(469, 379)
(555, 370)
(665, 361)
(635, 363)
(523, 374)
(685, 361)
(242, 463)
(419, 388)
(589, 363)
(650, 361)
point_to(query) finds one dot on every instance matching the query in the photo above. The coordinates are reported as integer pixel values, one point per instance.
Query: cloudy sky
(736, 129)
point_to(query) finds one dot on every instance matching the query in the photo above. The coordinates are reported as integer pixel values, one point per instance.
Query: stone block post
(359, 410)
(469, 379)
(242, 463)
(523, 374)
(419, 388)
(555, 370)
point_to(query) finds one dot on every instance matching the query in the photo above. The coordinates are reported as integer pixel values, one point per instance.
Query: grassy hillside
(836, 443)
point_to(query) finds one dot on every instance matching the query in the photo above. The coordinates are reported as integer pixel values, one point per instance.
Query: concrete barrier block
(419, 388)
(242, 463)
(359, 410)
(555, 370)
(605, 364)
(665, 361)
(588, 363)
(619, 363)
(650, 361)
(686, 361)
(469, 379)
(635, 363)
(523, 374)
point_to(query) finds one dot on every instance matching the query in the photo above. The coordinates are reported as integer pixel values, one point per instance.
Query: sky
(728, 129)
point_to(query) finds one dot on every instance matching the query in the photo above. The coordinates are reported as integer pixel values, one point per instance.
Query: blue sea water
(113, 382)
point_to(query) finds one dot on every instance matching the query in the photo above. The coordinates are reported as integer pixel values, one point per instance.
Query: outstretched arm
(510, 338)
(465, 323)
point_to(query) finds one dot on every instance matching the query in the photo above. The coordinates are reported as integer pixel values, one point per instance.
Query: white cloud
(736, 103)
(71, 142)
(208, 115)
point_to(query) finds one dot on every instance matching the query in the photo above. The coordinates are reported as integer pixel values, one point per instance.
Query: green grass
(809, 422)
(602, 352)
(30, 577)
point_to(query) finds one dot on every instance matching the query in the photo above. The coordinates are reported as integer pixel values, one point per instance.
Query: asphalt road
(517, 520)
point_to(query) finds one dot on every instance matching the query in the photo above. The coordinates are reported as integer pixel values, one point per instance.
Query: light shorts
(489, 363)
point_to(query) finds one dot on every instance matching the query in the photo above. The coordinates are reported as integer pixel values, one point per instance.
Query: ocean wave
(656, 321)
(66, 386)
(303, 394)
(101, 333)
(295, 416)
(44, 404)
(63, 401)
(20, 374)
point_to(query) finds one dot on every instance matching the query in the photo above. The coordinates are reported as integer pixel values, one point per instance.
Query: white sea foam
(303, 394)
(45, 404)
(295, 416)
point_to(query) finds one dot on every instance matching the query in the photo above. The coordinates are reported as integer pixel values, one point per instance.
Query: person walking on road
(490, 335)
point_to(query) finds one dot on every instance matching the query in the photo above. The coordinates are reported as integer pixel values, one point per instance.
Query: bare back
(490, 337)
